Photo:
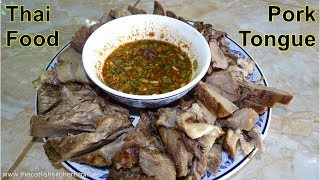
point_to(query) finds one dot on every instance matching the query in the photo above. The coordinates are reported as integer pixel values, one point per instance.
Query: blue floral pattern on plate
(229, 165)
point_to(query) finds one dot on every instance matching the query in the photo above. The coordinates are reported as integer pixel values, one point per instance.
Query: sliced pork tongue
(102, 157)
(182, 158)
(218, 59)
(214, 102)
(158, 9)
(49, 126)
(225, 84)
(69, 109)
(68, 115)
(214, 159)
(199, 162)
(246, 141)
(49, 97)
(109, 128)
(264, 96)
(243, 119)
(70, 68)
(133, 10)
(143, 136)
(249, 94)
(156, 164)
(135, 173)
(46, 77)
(245, 103)
(80, 38)
(118, 12)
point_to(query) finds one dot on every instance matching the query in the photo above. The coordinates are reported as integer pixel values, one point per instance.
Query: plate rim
(225, 175)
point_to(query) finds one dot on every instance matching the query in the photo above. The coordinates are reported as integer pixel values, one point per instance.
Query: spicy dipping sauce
(146, 67)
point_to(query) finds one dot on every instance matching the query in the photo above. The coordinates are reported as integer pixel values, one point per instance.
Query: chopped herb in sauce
(147, 67)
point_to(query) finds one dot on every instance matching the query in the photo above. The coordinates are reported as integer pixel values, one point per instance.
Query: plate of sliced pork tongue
(208, 134)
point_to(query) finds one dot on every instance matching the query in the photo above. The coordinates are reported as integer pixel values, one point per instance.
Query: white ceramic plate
(229, 165)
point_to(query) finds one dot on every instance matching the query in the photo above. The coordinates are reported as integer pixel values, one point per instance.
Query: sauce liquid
(146, 67)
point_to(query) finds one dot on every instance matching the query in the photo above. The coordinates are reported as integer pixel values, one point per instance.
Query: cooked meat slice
(49, 97)
(208, 117)
(106, 17)
(218, 35)
(243, 119)
(251, 140)
(231, 142)
(199, 163)
(156, 164)
(171, 14)
(65, 116)
(46, 77)
(243, 67)
(248, 104)
(158, 9)
(176, 149)
(235, 140)
(134, 10)
(70, 68)
(126, 158)
(205, 29)
(225, 84)
(185, 103)
(48, 86)
(202, 113)
(219, 61)
(247, 64)
(94, 27)
(186, 122)
(167, 118)
(183, 19)
(198, 25)
(256, 138)
(135, 173)
(80, 38)
(264, 96)
(246, 147)
(206, 141)
(143, 136)
(118, 12)
(108, 129)
(214, 159)
(102, 157)
(77, 108)
(214, 102)
(49, 126)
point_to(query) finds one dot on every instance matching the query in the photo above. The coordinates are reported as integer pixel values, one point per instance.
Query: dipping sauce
(146, 67)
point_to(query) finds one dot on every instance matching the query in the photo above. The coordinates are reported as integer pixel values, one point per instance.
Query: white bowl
(136, 27)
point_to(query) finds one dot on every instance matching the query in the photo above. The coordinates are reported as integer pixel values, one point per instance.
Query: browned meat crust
(80, 38)
(135, 10)
(158, 9)
(171, 14)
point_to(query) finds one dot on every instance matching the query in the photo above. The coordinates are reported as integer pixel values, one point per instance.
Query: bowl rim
(201, 73)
